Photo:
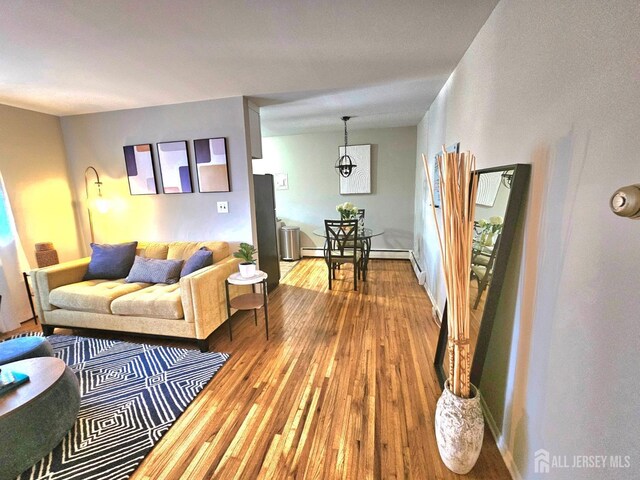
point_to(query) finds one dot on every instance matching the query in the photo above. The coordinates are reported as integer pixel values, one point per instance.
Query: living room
(552, 85)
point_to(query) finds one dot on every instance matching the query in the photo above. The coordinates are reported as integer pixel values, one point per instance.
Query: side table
(248, 301)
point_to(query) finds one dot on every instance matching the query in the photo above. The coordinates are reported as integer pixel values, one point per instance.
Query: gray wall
(97, 140)
(555, 84)
(33, 164)
(313, 193)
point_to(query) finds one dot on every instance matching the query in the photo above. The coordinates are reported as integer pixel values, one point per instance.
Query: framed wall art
(360, 179)
(138, 161)
(211, 164)
(174, 167)
(488, 186)
(281, 181)
(455, 148)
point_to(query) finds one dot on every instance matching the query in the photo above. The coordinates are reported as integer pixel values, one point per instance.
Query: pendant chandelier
(345, 164)
(507, 178)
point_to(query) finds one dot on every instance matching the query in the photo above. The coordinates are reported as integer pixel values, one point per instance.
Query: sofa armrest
(46, 279)
(203, 296)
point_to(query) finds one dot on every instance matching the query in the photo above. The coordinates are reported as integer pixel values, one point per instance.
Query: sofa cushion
(153, 270)
(184, 250)
(160, 301)
(220, 250)
(200, 259)
(154, 250)
(92, 295)
(110, 262)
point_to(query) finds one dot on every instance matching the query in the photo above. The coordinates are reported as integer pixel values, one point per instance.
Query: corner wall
(556, 84)
(97, 140)
(33, 164)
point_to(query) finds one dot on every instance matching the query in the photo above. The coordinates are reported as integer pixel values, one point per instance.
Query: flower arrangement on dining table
(347, 211)
(487, 230)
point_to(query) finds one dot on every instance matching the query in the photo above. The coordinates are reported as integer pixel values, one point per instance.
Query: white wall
(97, 140)
(33, 164)
(425, 241)
(556, 84)
(313, 192)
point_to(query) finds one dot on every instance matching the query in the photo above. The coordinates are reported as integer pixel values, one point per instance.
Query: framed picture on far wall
(455, 148)
(138, 162)
(174, 167)
(211, 164)
(360, 180)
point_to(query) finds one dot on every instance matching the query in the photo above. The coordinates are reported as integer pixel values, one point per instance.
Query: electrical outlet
(223, 207)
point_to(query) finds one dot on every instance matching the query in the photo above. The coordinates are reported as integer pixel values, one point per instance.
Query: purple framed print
(138, 161)
(211, 164)
(174, 167)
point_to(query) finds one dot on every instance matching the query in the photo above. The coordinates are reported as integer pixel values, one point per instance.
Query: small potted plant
(248, 266)
(347, 211)
(488, 229)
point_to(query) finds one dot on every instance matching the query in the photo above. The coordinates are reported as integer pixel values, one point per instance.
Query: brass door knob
(625, 202)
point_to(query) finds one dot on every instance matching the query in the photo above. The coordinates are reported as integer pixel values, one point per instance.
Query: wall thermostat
(625, 202)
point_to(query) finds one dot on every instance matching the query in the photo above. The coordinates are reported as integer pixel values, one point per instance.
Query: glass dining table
(364, 235)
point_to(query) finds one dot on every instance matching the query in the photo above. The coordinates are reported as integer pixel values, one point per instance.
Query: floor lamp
(99, 199)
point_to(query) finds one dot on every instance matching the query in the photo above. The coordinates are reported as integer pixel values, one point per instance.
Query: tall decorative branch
(458, 188)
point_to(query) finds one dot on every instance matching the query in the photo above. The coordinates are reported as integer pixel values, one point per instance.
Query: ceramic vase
(459, 429)
(247, 269)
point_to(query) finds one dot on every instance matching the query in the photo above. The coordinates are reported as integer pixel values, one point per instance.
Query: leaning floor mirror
(501, 193)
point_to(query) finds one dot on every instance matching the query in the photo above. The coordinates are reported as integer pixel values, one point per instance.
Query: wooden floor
(344, 388)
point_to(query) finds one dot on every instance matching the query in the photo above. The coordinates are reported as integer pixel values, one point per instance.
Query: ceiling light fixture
(345, 164)
(507, 178)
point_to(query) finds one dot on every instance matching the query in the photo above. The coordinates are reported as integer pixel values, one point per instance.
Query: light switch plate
(223, 207)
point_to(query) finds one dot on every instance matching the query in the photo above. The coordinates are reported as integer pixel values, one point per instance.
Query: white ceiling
(306, 62)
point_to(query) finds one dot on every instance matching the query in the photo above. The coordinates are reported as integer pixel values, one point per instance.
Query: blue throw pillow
(152, 270)
(109, 262)
(200, 259)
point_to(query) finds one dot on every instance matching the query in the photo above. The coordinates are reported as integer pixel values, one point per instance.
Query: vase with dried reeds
(459, 422)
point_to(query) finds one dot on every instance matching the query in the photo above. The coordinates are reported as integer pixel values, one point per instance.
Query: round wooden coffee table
(36, 415)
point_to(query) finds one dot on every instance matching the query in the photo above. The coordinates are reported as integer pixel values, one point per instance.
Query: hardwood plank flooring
(344, 388)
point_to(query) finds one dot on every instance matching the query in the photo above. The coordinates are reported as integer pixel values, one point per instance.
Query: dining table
(365, 234)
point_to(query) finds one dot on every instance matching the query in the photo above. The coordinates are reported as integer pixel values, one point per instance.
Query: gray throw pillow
(200, 259)
(109, 262)
(152, 270)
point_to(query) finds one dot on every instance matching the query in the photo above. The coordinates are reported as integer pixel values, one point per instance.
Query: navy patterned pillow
(109, 262)
(200, 259)
(152, 270)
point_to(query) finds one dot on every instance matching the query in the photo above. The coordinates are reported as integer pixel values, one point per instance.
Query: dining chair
(482, 270)
(360, 217)
(341, 246)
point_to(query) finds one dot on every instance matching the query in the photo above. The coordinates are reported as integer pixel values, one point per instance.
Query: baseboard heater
(380, 253)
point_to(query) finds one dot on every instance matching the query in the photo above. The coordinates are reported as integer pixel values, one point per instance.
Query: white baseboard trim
(421, 276)
(500, 442)
(388, 254)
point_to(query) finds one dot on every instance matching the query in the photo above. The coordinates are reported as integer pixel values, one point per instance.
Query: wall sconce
(100, 203)
(625, 202)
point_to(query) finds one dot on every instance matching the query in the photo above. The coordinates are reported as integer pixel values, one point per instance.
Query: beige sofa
(192, 308)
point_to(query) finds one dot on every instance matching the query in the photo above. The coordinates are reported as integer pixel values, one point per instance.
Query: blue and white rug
(130, 395)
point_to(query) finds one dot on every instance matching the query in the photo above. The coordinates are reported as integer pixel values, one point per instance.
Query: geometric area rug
(130, 395)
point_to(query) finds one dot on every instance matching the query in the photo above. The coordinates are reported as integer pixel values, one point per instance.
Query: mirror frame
(519, 188)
